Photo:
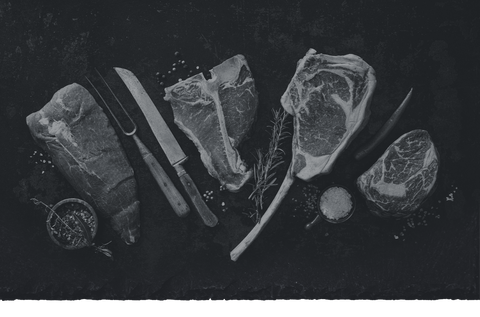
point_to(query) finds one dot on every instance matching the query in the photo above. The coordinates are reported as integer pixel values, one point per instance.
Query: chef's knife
(167, 141)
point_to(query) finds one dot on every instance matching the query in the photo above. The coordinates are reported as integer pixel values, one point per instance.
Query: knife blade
(167, 141)
(158, 125)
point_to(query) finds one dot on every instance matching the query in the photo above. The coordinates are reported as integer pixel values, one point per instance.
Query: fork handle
(174, 197)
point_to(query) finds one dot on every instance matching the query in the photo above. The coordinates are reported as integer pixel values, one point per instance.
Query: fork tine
(118, 101)
(110, 110)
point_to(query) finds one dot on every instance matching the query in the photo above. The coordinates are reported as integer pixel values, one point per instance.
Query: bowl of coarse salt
(336, 205)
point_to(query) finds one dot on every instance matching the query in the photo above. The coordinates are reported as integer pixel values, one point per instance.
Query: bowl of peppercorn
(72, 224)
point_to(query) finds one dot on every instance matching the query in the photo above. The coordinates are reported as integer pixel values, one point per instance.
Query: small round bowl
(57, 209)
(343, 219)
(321, 214)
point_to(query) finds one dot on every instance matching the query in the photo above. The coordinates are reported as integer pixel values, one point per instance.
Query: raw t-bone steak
(216, 114)
(329, 97)
(402, 177)
(76, 133)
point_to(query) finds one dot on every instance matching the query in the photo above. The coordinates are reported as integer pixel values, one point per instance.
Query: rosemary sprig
(103, 249)
(85, 230)
(264, 170)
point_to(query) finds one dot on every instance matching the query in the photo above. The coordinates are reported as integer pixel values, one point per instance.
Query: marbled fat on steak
(329, 97)
(402, 177)
(216, 115)
(76, 133)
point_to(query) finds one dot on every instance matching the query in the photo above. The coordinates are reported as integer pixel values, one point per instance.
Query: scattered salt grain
(224, 209)
(308, 205)
(450, 197)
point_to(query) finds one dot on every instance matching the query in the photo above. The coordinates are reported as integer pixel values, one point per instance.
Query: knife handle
(205, 213)
(174, 197)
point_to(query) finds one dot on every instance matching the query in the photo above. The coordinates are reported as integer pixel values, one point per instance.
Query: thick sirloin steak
(216, 114)
(402, 177)
(76, 133)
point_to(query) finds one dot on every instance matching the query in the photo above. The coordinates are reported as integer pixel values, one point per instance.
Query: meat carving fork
(173, 196)
(169, 144)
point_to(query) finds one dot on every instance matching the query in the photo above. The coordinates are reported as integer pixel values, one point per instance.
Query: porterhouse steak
(402, 177)
(329, 98)
(216, 114)
(76, 133)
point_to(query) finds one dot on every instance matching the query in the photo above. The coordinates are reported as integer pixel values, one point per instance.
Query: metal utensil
(167, 141)
(173, 196)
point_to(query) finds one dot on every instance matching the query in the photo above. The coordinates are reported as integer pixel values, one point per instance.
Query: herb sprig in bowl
(72, 224)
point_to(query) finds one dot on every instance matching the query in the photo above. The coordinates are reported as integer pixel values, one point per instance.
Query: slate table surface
(430, 46)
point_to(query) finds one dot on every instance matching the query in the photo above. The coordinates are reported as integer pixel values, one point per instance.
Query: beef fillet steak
(402, 177)
(76, 133)
(216, 114)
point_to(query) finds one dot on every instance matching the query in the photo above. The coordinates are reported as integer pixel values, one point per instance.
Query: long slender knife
(167, 141)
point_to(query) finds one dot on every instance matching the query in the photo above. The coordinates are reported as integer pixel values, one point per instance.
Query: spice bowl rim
(343, 219)
(62, 202)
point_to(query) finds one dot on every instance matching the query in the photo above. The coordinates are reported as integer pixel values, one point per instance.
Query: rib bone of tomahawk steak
(216, 115)
(329, 98)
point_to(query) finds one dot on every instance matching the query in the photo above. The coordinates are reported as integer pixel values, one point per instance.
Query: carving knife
(167, 141)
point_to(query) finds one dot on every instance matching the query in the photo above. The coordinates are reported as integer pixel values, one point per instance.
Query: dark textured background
(432, 47)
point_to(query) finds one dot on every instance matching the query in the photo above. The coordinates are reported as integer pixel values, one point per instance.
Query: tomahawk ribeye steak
(76, 133)
(329, 97)
(216, 114)
(402, 177)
